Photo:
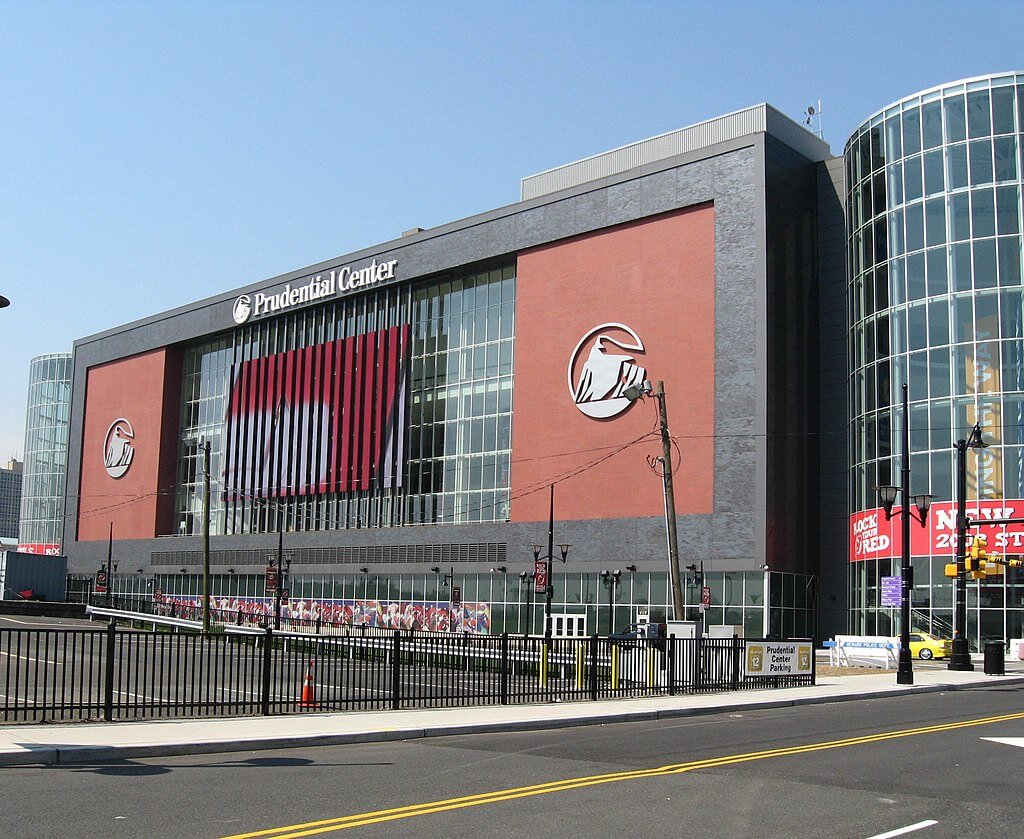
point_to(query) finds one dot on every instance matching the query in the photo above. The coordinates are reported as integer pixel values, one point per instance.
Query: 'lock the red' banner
(872, 537)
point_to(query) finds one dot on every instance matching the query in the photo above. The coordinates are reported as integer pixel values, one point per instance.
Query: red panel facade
(129, 446)
(594, 314)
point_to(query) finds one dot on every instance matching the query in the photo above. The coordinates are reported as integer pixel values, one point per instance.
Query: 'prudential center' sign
(334, 283)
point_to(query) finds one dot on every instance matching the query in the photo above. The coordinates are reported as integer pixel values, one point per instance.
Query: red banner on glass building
(325, 418)
(872, 537)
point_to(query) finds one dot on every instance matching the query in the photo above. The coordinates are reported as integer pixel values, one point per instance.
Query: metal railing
(116, 673)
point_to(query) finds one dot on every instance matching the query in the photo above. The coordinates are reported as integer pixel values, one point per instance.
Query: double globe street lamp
(923, 501)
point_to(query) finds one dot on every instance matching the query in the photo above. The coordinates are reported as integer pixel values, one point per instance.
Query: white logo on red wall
(118, 450)
(602, 366)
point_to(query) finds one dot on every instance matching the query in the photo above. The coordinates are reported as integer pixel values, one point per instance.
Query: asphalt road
(852, 769)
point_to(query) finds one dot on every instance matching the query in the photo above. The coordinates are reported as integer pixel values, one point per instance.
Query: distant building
(46, 454)
(10, 498)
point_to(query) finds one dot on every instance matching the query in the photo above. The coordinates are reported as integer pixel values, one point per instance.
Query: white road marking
(1009, 741)
(910, 828)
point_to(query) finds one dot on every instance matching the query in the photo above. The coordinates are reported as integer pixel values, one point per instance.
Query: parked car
(630, 633)
(925, 646)
(637, 633)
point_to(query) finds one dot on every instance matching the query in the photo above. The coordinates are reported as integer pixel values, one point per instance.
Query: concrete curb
(47, 755)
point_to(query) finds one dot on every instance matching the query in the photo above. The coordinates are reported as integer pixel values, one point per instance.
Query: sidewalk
(91, 742)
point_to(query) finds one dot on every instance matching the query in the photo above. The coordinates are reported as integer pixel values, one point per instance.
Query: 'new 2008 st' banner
(872, 537)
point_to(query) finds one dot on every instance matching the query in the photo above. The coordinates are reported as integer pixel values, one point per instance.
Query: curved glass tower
(934, 225)
(46, 453)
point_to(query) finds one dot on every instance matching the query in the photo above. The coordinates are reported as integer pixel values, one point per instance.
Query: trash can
(994, 658)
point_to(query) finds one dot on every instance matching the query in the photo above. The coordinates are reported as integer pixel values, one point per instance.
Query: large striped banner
(320, 419)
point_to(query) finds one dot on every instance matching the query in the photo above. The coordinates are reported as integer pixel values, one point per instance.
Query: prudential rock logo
(118, 451)
(242, 309)
(602, 366)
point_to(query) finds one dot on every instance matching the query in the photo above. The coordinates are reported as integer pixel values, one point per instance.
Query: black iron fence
(116, 673)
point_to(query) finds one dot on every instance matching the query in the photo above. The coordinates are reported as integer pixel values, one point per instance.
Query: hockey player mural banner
(320, 419)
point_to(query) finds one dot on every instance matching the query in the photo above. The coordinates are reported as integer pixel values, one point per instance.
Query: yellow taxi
(925, 646)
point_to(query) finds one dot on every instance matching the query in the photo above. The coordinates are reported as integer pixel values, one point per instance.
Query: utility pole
(632, 393)
(670, 503)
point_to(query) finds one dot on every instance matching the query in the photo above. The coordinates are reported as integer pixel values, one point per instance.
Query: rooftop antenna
(809, 114)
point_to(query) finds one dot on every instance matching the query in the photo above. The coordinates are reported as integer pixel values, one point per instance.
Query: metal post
(960, 659)
(503, 679)
(670, 504)
(108, 672)
(396, 670)
(268, 642)
(905, 667)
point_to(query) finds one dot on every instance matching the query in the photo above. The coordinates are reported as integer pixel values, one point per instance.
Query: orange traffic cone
(308, 699)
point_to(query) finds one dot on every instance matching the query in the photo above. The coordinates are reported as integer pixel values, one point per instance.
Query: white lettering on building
(320, 287)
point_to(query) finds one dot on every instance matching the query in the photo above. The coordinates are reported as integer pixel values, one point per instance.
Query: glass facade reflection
(46, 453)
(935, 301)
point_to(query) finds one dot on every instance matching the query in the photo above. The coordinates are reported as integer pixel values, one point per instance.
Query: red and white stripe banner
(325, 418)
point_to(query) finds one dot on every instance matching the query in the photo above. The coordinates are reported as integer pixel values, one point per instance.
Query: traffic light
(972, 561)
(950, 569)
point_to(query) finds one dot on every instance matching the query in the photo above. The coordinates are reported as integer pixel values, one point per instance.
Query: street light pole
(698, 578)
(549, 590)
(905, 667)
(204, 447)
(110, 566)
(281, 574)
(612, 578)
(960, 658)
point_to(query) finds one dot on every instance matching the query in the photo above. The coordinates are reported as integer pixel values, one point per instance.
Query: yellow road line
(360, 819)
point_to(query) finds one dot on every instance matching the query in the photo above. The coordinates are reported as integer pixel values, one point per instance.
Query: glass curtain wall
(47, 422)
(504, 601)
(935, 301)
(458, 436)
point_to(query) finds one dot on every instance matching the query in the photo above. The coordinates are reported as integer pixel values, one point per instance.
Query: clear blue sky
(155, 153)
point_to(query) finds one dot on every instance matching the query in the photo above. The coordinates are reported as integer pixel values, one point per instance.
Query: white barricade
(863, 651)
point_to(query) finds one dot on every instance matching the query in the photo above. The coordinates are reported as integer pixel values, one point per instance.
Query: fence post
(268, 643)
(593, 667)
(108, 674)
(503, 680)
(735, 662)
(670, 674)
(396, 671)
